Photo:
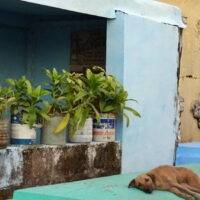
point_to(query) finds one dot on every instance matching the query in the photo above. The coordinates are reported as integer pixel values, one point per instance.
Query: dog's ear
(152, 177)
(132, 184)
(147, 178)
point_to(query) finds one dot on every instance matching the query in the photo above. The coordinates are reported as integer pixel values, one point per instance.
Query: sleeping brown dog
(181, 181)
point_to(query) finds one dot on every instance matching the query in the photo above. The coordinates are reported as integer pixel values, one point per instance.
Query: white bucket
(84, 134)
(104, 131)
(23, 134)
(48, 135)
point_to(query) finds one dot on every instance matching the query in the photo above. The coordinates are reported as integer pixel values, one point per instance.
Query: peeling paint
(196, 111)
(57, 155)
(11, 166)
(189, 86)
(91, 153)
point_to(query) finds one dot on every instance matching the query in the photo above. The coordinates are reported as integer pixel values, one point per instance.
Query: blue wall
(147, 66)
(48, 47)
(13, 51)
(49, 44)
(28, 44)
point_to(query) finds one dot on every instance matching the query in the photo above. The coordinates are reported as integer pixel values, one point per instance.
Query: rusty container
(4, 133)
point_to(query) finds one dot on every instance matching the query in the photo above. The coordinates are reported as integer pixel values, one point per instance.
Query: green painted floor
(107, 188)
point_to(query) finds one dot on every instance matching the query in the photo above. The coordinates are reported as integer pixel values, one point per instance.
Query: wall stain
(28, 166)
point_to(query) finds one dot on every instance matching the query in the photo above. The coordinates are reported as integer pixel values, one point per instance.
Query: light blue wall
(115, 57)
(150, 60)
(151, 9)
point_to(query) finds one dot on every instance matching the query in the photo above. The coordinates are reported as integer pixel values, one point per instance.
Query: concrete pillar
(115, 56)
(143, 54)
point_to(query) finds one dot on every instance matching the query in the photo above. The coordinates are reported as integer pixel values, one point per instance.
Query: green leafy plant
(57, 92)
(78, 107)
(63, 87)
(89, 95)
(28, 103)
(6, 99)
(107, 94)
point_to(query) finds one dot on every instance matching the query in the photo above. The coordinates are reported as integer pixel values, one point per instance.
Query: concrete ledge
(26, 166)
(154, 10)
(107, 188)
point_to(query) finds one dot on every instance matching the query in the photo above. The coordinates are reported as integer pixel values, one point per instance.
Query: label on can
(104, 130)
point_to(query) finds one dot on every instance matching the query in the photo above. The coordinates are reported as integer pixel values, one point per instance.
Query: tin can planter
(83, 135)
(22, 134)
(48, 135)
(104, 130)
(4, 133)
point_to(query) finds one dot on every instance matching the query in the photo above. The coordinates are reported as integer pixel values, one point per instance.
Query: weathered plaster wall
(189, 85)
(147, 55)
(26, 166)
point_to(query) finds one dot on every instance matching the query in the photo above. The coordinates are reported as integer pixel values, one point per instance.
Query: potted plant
(6, 99)
(93, 95)
(79, 111)
(56, 87)
(110, 100)
(27, 111)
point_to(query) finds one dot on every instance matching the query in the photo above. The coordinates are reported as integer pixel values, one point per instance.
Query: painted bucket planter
(104, 130)
(48, 135)
(84, 134)
(4, 133)
(22, 134)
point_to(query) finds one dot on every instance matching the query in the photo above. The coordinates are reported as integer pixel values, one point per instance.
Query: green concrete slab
(106, 188)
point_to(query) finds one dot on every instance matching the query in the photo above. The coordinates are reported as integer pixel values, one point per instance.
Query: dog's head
(143, 182)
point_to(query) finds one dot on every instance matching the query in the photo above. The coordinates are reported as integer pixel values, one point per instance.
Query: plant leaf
(127, 119)
(108, 108)
(44, 115)
(95, 110)
(29, 86)
(132, 100)
(62, 124)
(136, 113)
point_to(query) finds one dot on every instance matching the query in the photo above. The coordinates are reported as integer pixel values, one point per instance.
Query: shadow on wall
(30, 43)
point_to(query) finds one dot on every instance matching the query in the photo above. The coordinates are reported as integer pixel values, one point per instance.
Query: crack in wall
(177, 121)
(189, 76)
